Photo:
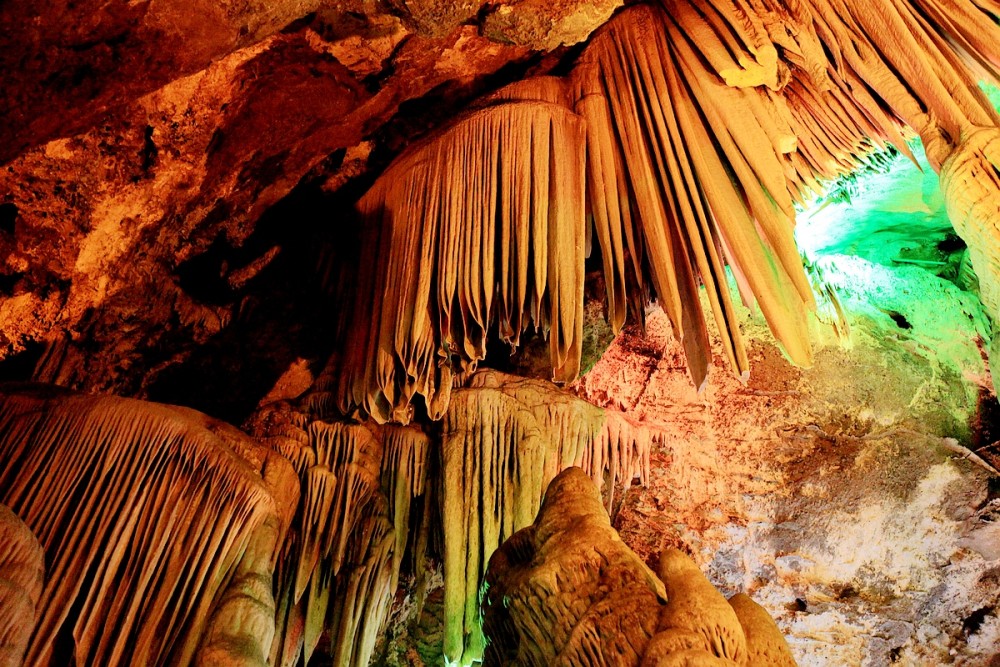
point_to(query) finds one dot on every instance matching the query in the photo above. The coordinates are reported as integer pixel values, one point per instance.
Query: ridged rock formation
(159, 525)
(566, 591)
(22, 575)
(484, 469)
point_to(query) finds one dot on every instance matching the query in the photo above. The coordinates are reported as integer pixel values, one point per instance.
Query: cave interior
(519, 332)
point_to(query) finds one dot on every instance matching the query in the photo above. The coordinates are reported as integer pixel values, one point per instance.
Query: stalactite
(973, 26)
(482, 223)
(22, 575)
(340, 569)
(731, 38)
(503, 438)
(364, 592)
(909, 65)
(145, 512)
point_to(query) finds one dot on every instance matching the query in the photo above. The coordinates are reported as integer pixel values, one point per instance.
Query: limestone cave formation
(520, 332)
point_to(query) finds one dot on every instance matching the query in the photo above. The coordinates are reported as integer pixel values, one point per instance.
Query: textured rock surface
(566, 591)
(827, 493)
(145, 513)
(22, 575)
(546, 24)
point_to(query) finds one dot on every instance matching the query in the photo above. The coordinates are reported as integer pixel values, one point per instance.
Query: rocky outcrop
(566, 591)
(22, 575)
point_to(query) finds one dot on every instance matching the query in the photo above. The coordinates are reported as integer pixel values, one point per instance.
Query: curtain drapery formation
(481, 226)
(688, 130)
(501, 441)
(146, 514)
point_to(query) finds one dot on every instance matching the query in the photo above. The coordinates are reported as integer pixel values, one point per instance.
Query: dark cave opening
(283, 313)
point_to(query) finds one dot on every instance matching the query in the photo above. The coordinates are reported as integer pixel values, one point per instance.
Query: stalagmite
(766, 646)
(566, 591)
(696, 617)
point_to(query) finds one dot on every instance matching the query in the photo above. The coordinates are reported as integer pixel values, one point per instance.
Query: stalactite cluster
(340, 567)
(189, 539)
(145, 513)
(689, 131)
(499, 444)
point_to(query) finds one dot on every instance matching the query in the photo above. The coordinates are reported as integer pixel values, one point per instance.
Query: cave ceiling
(157, 232)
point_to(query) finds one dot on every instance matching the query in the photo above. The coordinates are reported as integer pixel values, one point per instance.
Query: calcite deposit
(345, 226)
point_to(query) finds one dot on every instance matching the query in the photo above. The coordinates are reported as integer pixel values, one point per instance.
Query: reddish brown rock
(22, 575)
